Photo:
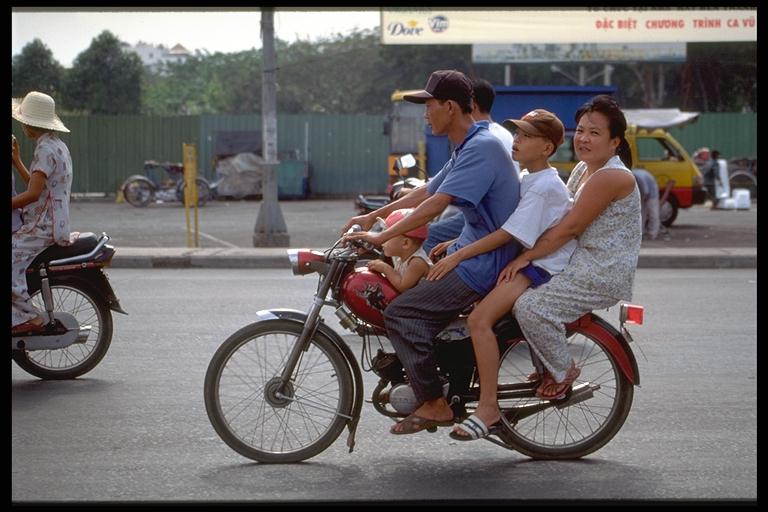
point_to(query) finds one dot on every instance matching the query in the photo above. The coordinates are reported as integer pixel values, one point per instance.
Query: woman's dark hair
(617, 123)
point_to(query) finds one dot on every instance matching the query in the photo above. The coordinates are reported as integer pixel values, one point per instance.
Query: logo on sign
(438, 23)
(409, 28)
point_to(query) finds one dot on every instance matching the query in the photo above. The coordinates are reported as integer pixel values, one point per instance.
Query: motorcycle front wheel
(257, 419)
(599, 404)
(78, 358)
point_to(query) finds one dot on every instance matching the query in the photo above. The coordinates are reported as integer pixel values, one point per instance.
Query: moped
(283, 388)
(69, 284)
(141, 189)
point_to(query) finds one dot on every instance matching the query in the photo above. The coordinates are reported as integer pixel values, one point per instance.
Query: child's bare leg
(494, 306)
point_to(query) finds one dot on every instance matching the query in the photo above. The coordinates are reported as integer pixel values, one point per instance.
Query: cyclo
(283, 388)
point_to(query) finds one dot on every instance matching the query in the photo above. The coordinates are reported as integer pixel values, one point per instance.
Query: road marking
(218, 240)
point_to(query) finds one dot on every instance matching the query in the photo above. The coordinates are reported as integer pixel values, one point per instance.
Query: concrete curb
(182, 257)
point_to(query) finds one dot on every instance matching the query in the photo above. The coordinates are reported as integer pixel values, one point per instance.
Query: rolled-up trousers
(413, 320)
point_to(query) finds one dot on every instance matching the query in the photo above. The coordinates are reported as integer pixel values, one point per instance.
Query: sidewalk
(156, 236)
(182, 257)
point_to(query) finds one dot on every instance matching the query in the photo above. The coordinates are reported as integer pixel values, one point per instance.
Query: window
(654, 149)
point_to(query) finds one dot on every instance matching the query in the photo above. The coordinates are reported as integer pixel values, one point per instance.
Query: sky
(67, 33)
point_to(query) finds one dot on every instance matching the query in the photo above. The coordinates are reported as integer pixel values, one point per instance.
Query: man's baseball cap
(539, 123)
(446, 84)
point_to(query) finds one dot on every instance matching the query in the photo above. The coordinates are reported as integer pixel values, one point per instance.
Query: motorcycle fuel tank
(367, 294)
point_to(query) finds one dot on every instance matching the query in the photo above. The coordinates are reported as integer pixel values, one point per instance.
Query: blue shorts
(537, 275)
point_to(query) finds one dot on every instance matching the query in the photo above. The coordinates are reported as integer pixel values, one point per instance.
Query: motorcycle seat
(85, 243)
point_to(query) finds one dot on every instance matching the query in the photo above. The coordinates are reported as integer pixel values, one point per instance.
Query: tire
(260, 426)
(203, 191)
(78, 358)
(743, 179)
(576, 430)
(138, 192)
(668, 211)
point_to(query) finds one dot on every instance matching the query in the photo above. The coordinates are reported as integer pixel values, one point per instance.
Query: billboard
(579, 25)
(589, 52)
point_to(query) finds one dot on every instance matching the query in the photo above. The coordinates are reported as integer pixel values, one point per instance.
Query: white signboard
(590, 52)
(512, 25)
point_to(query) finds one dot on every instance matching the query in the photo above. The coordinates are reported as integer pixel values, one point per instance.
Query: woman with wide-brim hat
(45, 202)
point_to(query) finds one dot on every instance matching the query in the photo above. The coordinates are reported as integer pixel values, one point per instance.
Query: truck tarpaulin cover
(659, 117)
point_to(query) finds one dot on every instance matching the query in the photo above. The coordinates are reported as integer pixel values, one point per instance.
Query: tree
(35, 69)
(104, 79)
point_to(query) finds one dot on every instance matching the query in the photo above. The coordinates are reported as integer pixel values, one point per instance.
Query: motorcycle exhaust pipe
(83, 333)
(579, 394)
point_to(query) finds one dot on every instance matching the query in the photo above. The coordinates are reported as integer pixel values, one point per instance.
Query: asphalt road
(316, 223)
(135, 428)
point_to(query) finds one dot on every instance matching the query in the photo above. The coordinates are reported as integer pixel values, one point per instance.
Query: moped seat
(84, 244)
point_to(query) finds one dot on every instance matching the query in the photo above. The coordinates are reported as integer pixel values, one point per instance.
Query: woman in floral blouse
(45, 203)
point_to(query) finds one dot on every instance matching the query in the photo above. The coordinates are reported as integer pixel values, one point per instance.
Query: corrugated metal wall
(733, 134)
(347, 153)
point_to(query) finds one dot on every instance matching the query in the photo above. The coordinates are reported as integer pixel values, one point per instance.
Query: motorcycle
(283, 388)
(404, 165)
(70, 285)
(141, 189)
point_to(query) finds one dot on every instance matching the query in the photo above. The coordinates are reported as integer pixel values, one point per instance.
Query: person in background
(448, 229)
(713, 179)
(649, 197)
(16, 221)
(45, 201)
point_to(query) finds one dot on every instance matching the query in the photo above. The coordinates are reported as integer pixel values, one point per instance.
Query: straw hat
(39, 110)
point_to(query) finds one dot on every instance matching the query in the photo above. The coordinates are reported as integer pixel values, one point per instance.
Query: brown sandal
(557, 389)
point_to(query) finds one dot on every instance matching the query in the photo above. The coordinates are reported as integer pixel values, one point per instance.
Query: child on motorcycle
(543, 203)
(45, 201)
(411, 262)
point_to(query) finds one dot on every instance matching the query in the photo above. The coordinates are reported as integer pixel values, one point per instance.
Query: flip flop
(476, 429)
(414, 423)
(28, 327)
(559, 389)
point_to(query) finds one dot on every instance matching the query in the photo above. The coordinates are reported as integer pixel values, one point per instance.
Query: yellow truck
(655, 150)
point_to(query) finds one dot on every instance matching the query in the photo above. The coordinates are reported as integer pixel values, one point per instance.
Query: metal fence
(347, 154)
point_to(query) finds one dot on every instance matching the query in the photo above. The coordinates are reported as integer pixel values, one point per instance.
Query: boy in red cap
(411, 262)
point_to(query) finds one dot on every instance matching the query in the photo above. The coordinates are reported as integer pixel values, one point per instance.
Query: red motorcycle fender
(612, 340)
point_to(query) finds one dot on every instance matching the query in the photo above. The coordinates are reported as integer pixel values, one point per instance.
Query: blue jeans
(444, 230)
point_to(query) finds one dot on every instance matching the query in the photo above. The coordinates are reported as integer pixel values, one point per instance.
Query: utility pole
(270, 230)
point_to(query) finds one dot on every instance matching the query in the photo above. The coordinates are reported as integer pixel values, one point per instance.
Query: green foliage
(104, 79)
(35, 69)
(355, 74)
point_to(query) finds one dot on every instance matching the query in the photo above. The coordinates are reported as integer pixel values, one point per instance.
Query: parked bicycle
(141, 189)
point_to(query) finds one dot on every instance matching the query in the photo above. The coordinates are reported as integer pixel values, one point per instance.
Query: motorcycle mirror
(405, 161)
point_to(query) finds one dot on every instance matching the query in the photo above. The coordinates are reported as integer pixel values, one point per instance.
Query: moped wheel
(78, 358)
(253, 418)
(203, 191)
(575, 427)
(138, 192)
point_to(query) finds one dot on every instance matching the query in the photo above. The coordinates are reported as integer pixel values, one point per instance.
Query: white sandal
(476, 429)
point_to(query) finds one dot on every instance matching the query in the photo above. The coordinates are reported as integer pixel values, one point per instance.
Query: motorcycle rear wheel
(575, 430)
(138, 192)
(78, 358)
(246, 412)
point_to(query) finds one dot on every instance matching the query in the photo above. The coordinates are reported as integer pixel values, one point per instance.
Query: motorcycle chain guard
(67, 332)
